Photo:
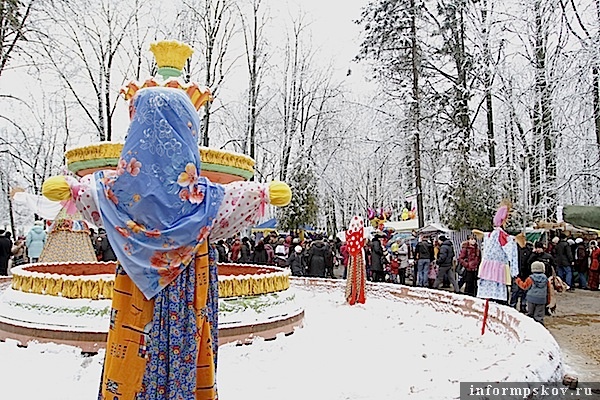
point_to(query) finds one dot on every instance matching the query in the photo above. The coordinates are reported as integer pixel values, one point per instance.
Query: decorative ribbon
(70, 206)
(264, 200)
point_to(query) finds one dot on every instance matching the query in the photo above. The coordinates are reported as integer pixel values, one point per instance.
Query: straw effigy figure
(158, 213)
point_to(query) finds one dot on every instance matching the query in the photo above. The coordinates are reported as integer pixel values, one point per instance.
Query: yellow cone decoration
(171, 53)
(280, 194)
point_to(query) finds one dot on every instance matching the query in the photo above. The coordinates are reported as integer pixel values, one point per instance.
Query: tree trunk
(415, 112)
(543, 111)
(596, 93)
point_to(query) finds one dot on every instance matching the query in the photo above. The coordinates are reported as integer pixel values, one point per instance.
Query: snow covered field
(377, 351)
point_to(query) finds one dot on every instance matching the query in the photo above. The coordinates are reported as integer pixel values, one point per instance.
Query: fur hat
(579, 240)
(298, 249)
(538, 266)
(38, 223)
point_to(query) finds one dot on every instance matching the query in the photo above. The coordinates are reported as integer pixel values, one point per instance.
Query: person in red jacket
(470, 258)
(594, 266)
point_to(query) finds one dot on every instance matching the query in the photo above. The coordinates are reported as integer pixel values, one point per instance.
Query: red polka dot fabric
(355, 236)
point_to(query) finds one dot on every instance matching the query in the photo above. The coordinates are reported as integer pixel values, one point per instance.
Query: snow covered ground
(377, 351)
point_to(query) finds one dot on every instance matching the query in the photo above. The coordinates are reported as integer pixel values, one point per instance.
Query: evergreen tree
(472, 199)
(303, 208)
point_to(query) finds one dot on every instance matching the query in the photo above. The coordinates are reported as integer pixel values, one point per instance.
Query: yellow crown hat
(170, 56)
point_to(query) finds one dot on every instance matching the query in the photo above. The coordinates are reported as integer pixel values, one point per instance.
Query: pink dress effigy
(499, 263)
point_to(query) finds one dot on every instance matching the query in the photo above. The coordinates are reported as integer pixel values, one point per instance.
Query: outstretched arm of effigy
(244, 203)
(75, 195)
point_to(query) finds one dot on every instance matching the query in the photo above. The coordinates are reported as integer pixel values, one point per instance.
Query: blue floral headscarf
(156, 207)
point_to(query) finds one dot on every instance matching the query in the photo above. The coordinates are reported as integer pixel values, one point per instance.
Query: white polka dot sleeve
(87, 200)
(242, 206)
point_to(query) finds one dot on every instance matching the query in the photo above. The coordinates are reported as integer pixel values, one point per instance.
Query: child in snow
(392, 268)
(538, 289)
(432, 274)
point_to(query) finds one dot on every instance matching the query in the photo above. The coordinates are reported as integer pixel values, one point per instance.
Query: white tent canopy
(433, 228)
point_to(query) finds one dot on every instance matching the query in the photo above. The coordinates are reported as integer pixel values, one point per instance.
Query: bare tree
(255, 42)
(15, 29)
(216, 20)
(86, 49)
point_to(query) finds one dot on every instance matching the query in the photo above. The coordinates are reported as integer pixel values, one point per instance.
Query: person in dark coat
(245, 251)
(260, 255)
(5, 252)
(538, 254)
(444, 261)
(296, 262)
(423, 258)
(222, 251)
(580, 254)
(518, 295)
(103, 247)
(377, 260)
(318, 254)
(564, 261)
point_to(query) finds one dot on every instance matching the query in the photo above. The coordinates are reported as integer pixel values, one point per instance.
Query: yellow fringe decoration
(251, 286)
(55, 285)
(94, 151)
(213, 156)
(113, 150)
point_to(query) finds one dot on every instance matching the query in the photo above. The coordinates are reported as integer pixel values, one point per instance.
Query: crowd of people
(28, 248)
(314, 257)
(425, 261)
(23, 250)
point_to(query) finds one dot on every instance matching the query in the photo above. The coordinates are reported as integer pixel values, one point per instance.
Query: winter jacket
(245, 254)
(470, 256)
(5, 253)
(36, 238)
(344, 254)
(318, 254)
(446, 254)
(236, 247)
(424, 250)
(524, 253)
(403, 255)
(270, 253)
(222, 253)
(105, 248)
(377, 255)
(281, 255)
(537, 286)
(564, 257)
(595, 259)
(546, 258)
(581, 258)
(296, 264)
(260, 255)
